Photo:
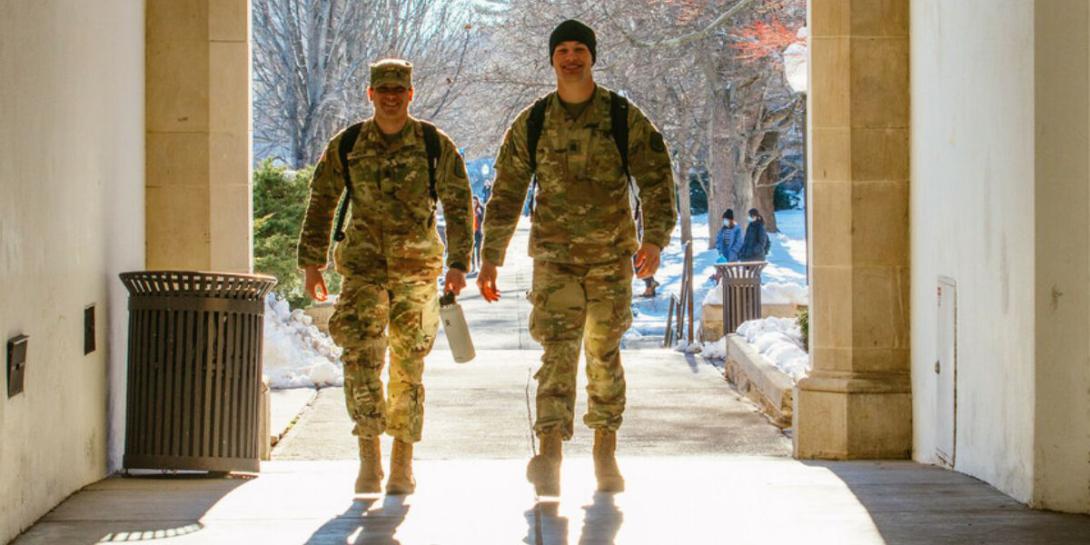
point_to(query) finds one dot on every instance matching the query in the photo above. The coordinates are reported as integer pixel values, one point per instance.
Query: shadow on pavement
(601, 522)
(184, 520)
(363, 524)
(912, 506)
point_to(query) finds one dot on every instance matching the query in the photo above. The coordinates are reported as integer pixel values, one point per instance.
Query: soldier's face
(390, 100)
(572, 61)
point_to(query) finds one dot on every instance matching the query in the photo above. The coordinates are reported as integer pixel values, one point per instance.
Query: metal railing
(679, 318)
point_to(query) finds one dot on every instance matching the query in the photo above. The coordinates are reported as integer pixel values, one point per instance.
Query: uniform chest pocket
(364, 169)
(407, 182)
(605, 161)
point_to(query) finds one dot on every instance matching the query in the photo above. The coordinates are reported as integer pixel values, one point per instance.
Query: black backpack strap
(534, 125)
(618, 121)
(432, 148)
(348, 141)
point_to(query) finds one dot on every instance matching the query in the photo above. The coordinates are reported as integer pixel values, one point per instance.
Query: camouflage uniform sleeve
(502, 213)
(649, 164)
(326, 186)
(452, 185)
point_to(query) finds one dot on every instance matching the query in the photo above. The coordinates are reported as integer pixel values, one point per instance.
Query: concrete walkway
(676, 406)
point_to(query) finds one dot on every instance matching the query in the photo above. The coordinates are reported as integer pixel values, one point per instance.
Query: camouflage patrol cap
(392, 72)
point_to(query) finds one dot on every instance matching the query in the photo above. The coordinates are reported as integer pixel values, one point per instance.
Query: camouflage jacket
(392, 221)
(583, 213)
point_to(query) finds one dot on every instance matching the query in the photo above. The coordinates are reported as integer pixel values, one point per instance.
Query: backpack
(348, 141)
(618, 120)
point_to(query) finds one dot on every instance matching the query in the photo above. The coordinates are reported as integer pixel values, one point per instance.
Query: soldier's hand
(315, 284)
(647, 260)
(456, 280)
(486, 282)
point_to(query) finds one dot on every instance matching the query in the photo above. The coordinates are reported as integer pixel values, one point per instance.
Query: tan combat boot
(605, 462)
(401, 469)
(369, 479)
(544, 469)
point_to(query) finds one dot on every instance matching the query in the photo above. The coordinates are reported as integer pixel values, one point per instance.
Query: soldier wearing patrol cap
(393, 168)
(582, 144)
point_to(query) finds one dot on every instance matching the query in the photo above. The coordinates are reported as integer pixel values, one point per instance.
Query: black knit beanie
(572, 30)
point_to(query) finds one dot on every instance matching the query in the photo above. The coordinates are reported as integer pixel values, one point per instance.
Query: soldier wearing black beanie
(573, 31)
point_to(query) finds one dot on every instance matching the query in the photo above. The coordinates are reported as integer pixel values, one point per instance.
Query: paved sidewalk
(677, 405)
(675, 500)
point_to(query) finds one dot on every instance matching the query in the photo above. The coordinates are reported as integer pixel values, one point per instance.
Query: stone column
(857, 401)
(198, 169)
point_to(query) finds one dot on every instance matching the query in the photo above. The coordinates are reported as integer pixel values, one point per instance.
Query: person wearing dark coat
(756, 244)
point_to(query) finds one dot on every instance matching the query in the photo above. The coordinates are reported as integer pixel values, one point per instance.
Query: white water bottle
(456, 328)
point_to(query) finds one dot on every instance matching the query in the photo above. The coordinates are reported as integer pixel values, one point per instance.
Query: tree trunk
(764, 196)
(684, 204)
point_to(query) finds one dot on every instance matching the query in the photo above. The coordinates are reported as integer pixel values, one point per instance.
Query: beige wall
(198, 132)
(71, 218)
(1062, 229)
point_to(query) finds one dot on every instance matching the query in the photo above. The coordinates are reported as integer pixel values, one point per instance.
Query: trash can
(741, 284)
(194, 370)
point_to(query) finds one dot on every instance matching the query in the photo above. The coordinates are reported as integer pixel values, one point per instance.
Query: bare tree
(311, 60)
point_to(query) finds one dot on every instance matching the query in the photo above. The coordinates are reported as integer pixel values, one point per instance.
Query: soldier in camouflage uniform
(582, 240)
(390, 259)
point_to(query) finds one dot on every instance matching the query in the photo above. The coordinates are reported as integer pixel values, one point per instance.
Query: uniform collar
(595, 114)
(411, 136)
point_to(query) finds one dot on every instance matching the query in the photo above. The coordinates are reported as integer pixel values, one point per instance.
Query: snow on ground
(778, 340)
(296, 353)
(783, 279)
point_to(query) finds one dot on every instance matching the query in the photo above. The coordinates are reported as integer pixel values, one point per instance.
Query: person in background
(729, 239)
(478, 233)
(756, 244)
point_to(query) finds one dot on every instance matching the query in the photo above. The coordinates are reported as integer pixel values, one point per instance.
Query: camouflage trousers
(364, 312)
(573, 305)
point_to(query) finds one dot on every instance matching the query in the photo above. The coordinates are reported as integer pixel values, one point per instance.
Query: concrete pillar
(857, 401)
(198, 135)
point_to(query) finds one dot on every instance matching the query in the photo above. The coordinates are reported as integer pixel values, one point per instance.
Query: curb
(771, 389)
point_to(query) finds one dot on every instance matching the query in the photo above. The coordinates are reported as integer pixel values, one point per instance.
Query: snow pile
(684, 347)
(296, 353)
(784, 293)
(715, 350)
(772, 293)
(779, 340)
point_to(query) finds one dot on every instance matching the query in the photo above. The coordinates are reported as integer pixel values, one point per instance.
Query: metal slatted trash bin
(741, 284)
(194, 370)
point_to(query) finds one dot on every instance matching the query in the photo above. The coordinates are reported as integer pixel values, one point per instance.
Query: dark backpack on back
(348, 141)
(618, 120)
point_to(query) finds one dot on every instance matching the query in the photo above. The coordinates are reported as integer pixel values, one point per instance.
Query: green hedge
(280, 201)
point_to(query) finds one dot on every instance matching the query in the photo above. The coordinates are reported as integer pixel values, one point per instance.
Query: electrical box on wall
(89, 329)
(17, 348)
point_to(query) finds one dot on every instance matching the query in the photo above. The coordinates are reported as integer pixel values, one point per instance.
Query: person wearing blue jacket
(729, 239)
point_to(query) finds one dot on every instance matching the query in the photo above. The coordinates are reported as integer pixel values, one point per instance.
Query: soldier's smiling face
(390, 101)
(572, 61)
